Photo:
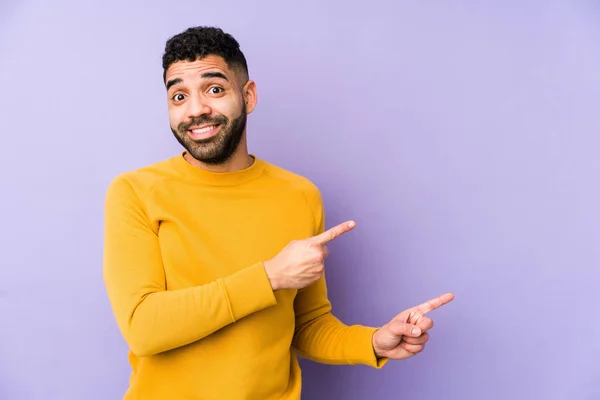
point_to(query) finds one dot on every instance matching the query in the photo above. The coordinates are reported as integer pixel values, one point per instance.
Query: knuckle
(322, 255)
(426, 323)
(319, 254)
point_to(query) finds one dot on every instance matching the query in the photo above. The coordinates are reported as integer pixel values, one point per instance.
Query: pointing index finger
(432, 304)
(334, 232)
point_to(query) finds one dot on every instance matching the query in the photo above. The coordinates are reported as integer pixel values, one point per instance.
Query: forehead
(194, 69)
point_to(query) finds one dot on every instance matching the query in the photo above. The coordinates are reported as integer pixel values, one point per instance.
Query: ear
(250, 96)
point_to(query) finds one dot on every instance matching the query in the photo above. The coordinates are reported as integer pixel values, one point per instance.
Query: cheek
(176, 116)
(227, 107)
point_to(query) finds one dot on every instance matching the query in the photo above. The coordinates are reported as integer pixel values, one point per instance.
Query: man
(214, 259)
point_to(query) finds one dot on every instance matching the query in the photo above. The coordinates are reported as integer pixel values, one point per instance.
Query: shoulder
(294, 181)
(306, 188)
(139, 183)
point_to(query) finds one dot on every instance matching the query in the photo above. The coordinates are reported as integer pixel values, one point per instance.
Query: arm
(152, 319)
(319, 335)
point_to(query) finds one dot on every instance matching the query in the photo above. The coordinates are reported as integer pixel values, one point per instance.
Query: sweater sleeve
(151, 318)
(319, 335)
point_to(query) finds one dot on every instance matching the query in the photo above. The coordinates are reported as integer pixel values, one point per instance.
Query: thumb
(399, 328)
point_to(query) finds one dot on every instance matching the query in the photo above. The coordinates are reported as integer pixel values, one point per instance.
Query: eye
(178, 97)
(215, 90)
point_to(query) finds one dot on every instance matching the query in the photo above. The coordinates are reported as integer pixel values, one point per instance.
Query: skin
(208, 91)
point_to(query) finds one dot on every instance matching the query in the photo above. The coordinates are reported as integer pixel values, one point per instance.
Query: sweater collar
(211, 178)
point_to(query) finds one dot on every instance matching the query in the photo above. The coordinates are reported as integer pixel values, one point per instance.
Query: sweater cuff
(359, 347)
(249, 291)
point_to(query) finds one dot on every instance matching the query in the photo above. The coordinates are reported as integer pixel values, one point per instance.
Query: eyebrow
(206, 75)
(174, 82)
(214, 75)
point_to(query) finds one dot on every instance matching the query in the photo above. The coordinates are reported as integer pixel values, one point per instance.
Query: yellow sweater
(183, 270)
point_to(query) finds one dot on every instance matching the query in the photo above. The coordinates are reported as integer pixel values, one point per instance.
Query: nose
(197, 107)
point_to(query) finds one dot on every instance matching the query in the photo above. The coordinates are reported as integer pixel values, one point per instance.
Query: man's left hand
(406, 334)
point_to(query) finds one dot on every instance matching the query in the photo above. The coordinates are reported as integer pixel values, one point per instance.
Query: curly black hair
(201, 41)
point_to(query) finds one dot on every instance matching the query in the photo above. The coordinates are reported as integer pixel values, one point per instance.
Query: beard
(218, 149)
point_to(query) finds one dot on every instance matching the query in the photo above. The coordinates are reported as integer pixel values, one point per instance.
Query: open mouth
(203, 132)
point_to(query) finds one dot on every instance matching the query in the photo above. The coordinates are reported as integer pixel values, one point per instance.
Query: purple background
(462, 137)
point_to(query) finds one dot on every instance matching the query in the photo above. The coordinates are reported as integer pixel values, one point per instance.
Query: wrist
(273, 281)
(376, 349)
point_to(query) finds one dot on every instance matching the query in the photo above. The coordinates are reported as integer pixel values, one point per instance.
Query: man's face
(207, 108)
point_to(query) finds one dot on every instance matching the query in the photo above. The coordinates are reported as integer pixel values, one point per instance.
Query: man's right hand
(301, 262)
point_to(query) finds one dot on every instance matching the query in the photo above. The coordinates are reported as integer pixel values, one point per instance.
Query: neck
(240, 159)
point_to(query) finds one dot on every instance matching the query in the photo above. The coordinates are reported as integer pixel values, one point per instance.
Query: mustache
(219, 119)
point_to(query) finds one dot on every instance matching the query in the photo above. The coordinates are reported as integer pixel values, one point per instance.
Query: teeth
(203, 130)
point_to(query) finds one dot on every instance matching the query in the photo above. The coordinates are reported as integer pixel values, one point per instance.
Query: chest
(215, 232)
